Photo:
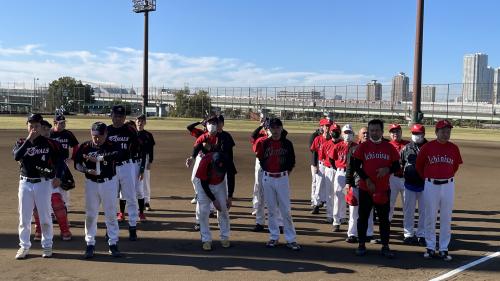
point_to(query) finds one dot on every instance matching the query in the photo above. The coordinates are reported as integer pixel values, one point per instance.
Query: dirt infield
(168, 249)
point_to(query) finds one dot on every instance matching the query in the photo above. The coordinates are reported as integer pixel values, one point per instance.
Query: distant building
(373, 91)
(477, 78)
(496, 86)
(400, 88)
(300, 95)
(429, 93)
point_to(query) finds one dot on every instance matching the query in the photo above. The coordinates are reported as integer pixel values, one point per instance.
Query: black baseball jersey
(108, 150)
(41, 159)
(125, 139)
(147, 143)
(66, 139)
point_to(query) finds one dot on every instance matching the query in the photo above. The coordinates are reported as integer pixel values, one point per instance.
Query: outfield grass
(82, 123)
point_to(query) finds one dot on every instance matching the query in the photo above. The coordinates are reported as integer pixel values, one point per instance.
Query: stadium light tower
(145, 6)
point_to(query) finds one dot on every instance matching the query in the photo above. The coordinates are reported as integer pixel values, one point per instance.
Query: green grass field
(82, 123)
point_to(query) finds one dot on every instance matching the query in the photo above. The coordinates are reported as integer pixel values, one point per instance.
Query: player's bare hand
(56, 182)
(32, 135)
(217, 205)
(141, 176)
(92, 172)
(370, 185)
(189, 162)
(229, 203)
(347, 187)
(382, 172)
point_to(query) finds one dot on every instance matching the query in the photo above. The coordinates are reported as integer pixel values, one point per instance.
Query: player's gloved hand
(382, 172)
(370, 185)
(189, 161)
(217, 205)
(229, 203)
(56, 182)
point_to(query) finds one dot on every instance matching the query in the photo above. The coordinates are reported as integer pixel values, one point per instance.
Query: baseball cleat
(272, 243)
(352, 239)
(196, 227)
(47, 253)
(329, 220)
(142, 217)
(294, 246)
(132, 233)
(429, 254)
(89, 252)
(258, 228)
(315, 210)
(22, 253)
(336, 228)
(213, 214)
(254, 213)
(361, 251)
(409, 240)
(114, 252)
(225, 243)
(445, 256)
(386, 252)
(421, 241)
(147, 206)
(66, 236)
(38, 236)
(194, 200)
(207, 246)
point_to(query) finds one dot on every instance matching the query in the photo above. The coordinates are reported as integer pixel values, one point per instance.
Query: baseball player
(277, 159)
(212, 189)
(56, 199)
(314, 168)
(338, 158)
(374, 161)
(139, 159)
(226, 148)
(68, 141)
(437, 163)
(396, 181)
(352, 182)
(196, 133)
(414, 187)
(96, 159)
(148, 143)
(261, 133)
(41, 167)
(319, 170)
(125, 140)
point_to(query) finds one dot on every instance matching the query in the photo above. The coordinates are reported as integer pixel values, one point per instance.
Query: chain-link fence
(307, 103)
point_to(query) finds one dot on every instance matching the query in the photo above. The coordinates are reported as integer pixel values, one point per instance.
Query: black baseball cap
(59, 118)
(221, 119)
(118, 110)
(35, 117)
(213, 118)
(45, 123)
(275, 122)
(141, 117)
(98, 129)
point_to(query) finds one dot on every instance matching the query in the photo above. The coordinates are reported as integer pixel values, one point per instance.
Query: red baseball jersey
(339, 154)
(195, 132)
(327, 149)
(399, 145)
(438, 160)
(206, 137)
(375, 156)
(316, 146)
(207, 172)
(259, 139)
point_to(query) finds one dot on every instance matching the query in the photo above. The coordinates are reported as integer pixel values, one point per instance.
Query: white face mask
(268, 132)
(417, 138)
(211, 128)
(348, 137)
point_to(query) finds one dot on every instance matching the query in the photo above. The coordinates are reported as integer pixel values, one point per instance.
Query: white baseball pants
(352, 229)
(203, 211)
(411, 199)
(31, 194)
(438, 198)
(339, 203)
(259, 204)
(126, 177)
(397, 187)
(277, 196)
(95, 195)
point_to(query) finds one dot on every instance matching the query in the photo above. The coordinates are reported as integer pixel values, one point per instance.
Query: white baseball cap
(347, 127)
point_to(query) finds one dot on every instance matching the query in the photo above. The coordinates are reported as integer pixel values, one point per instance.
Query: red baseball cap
(394, 126)
(417, 129)
(443, 124)
(324, 122)
(334, 127)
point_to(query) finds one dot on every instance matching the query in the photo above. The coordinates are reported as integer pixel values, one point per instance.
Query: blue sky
(243, 43)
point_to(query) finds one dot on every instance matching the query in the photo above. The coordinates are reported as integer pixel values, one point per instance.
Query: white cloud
(123, 66)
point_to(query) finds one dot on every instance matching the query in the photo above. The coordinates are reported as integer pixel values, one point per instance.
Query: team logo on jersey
(274, 152)
(118, 138)
(440, 159)
(60, 140)
(376, 155)
(32, 151)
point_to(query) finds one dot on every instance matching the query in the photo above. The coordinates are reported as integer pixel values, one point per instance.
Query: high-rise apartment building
(477, 78)
(400, 88)
(496, 86)
(428, 93)
(373, 91)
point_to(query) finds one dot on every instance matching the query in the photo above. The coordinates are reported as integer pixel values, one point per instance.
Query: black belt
(439, 182)
(32, 180)
(275, 175)
(101, 180)
(124, 162)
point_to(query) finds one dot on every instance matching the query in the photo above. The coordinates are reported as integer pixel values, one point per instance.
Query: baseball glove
(67, 181)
